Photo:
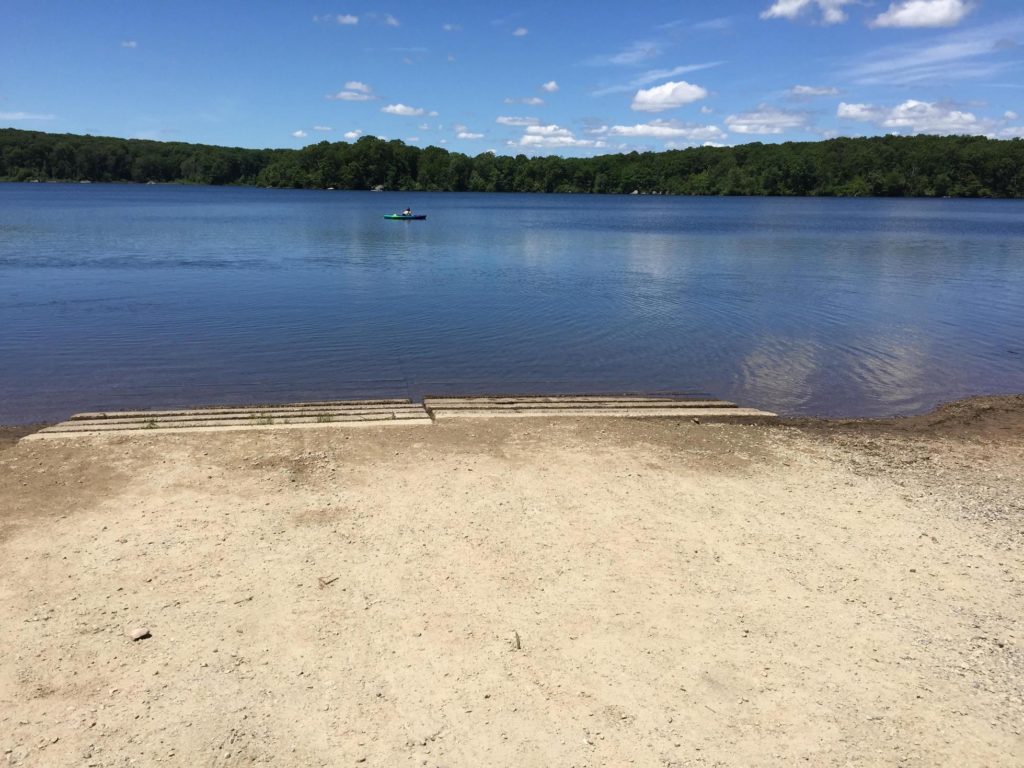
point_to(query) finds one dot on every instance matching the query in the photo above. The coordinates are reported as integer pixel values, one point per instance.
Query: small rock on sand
(139, 633)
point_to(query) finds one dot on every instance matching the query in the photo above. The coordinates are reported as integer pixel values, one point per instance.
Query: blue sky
(567, 78)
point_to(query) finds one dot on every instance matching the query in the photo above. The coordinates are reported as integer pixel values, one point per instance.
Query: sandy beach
(535, 592)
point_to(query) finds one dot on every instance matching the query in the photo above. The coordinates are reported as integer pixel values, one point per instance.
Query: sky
(562, 77)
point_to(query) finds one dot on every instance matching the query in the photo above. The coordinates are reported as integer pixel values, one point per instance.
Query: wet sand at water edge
(519, 592)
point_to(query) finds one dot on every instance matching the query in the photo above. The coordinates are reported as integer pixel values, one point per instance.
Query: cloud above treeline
(667, 96)
(766, 121)
(806, 109)
(663, 129)
(404, 110)
(917, 116)
(553, 137)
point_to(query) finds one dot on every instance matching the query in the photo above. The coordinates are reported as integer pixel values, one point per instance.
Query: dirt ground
(572, 592)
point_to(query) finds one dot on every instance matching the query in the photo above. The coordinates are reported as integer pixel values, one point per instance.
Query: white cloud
(344, 19)
(548, 130)
(718, 24)
(322, 128)
(403, 110)
(552, 137)
(24, 116)
(862, 112)
(391, 21)
(354, 91)
(810, 90)
(706, 110)
(667, 96)
(924, 13)
(916, 116)
(973, 53)
(349, 96)
(353, 134)
(766, 120)
(634, 54)
(831, 10)
(1010, 115)
(129, 44)
(520, 121)
(550, 86)
(468, 135)
(639, 51)
(532, 101)
(520, 32)
(653, 75)
(451, 27)
(299, 134)
(664, 129)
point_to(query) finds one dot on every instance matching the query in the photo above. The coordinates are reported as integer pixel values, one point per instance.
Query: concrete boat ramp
(397, 412)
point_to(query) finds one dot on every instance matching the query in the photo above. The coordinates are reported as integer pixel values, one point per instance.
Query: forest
(884, 166)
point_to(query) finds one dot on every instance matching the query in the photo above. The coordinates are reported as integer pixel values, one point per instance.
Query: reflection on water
(124, 296)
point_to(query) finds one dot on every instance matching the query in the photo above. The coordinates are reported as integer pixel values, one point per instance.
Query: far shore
(869, 166)
(529, 592)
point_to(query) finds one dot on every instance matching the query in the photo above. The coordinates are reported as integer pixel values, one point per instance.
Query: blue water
(120, 296)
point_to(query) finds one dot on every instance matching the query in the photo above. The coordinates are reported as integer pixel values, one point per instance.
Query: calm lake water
(156, 296)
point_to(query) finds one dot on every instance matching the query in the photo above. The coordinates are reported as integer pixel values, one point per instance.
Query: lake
(121, 296)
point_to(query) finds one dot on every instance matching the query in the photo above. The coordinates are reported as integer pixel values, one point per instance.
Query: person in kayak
(407, 212)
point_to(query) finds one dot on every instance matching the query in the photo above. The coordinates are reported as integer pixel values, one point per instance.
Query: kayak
(405, 217)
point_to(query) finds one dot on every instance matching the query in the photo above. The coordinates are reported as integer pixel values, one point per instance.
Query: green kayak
(405, 216)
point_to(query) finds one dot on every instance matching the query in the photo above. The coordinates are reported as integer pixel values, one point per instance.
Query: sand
(519, 593)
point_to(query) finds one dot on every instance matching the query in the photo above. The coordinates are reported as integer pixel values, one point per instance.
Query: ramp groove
(590, 405)
(323, 414)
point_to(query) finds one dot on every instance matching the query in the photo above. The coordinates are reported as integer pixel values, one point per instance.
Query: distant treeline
(889, 166)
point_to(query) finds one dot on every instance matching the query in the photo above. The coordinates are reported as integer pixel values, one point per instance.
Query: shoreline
(974, 415)
(235, 185)
(961, 417)
(531, 592)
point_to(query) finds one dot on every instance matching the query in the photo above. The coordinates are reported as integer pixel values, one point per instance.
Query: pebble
(139, 633)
